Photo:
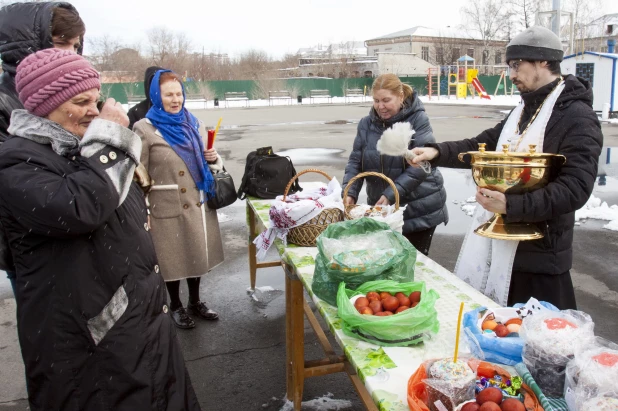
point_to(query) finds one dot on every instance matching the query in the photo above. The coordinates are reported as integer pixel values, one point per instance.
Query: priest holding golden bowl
(534, 169)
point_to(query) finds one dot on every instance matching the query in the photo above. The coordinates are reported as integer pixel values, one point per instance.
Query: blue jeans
(11, 275)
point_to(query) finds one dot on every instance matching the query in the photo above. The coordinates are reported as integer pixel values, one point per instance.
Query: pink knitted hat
(50, 77)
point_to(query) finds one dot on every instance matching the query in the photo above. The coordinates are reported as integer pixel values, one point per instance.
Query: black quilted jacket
(423, 193)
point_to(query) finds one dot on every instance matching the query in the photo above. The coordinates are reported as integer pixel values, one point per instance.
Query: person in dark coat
(24, 29)
(570, 127)
(93, 322)
(138, 111)
(422, 193)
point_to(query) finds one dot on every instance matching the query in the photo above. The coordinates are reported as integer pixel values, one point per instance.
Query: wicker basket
(349, 207)
(306, 234)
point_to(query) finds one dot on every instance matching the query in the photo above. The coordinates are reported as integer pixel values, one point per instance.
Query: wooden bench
(279, 95)
(313, 94)
(353, 92)
(196, 97)
(236, 96)
(133, 100)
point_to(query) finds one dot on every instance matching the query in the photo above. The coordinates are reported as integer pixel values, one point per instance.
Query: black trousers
(421, 240)
(555, 289)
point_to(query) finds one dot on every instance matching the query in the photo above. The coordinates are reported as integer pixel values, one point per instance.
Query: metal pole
(555, 25)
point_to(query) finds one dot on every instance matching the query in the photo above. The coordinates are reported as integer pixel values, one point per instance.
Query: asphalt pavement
(238, 362)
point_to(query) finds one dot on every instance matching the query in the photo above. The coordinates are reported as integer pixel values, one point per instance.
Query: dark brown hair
(169, 76)
(67, 24)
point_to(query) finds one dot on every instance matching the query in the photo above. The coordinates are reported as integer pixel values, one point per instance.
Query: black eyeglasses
(514, 65)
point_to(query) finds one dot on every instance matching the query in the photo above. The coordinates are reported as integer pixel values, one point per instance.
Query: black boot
(202, 311)
(182, 319)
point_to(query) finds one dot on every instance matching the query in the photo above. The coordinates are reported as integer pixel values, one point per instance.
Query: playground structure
(461, 80)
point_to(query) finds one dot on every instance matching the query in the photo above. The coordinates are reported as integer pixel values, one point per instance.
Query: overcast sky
(275, 26)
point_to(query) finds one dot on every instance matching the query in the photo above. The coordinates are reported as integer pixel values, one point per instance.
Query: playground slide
(479, 88)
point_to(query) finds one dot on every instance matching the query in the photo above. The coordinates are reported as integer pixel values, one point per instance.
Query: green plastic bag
(392, 259)
(409, 327)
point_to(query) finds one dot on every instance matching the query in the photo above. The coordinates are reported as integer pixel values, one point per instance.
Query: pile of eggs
(509, 328)
(384, 303)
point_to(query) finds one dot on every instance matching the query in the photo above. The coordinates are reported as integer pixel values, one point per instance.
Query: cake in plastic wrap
(592, 372)
(550, 342)
(449, 382)
(601, 404)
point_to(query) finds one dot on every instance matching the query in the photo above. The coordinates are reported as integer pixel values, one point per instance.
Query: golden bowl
(511, 173)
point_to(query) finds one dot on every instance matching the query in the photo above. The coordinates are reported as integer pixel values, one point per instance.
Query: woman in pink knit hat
(92, 315)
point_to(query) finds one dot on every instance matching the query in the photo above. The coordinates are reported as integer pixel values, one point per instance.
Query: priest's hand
(493, 201)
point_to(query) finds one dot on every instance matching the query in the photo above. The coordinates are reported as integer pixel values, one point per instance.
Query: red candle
(211, 139)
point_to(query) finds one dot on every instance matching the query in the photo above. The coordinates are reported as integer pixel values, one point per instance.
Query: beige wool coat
(186, 234)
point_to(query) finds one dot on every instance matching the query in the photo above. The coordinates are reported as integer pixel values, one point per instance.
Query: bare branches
(486, 18)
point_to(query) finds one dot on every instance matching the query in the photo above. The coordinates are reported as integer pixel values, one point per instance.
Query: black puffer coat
(138, 111)
(574, 131)
(423, 193)
(25, 28)
(78, 257)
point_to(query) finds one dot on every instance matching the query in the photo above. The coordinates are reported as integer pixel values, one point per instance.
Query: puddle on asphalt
(459, 187)
(314, 156)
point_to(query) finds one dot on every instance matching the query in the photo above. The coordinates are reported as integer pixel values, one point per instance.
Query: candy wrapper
(550, 342)
(593, 371)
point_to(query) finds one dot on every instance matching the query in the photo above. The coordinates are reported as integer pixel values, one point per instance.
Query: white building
(439, 46)
(601, 69)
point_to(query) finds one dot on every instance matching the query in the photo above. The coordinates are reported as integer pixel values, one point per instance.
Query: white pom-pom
(395, 140)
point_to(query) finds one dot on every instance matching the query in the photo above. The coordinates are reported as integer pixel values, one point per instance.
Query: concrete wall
(402, 64)
(390, 48)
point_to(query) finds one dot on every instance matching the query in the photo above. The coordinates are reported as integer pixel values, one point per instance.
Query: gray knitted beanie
(535, 44)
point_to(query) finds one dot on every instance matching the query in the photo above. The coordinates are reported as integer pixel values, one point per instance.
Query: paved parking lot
(238, 363)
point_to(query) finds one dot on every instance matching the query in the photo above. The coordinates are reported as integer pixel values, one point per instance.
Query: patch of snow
(599, 210)
(494, 101)
(325, 403)
(471, 199)
(468, 209)
(612, 225)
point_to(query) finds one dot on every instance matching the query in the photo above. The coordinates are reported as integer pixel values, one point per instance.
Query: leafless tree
(103, 49)
(523, 13)
(585, 12)
(253, 64)
(486, 18)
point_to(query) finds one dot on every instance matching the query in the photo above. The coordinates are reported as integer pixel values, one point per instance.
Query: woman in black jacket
(24, 29)
(422, 193)
(138, 111)
(92, 315)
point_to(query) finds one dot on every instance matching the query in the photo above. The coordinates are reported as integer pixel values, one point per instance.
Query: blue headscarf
(180, 131)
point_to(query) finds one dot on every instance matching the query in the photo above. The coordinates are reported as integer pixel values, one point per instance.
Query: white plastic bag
(550, 342)
(592, 372)
(383, 214)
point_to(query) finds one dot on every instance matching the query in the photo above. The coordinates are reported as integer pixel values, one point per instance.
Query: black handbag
(225, 192)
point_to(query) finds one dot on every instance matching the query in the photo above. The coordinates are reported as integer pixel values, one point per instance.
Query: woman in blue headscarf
(184, 230)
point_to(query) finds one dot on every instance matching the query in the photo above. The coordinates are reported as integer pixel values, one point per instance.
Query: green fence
(336, 87)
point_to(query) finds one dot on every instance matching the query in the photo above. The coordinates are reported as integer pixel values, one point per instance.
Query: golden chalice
(511, 173)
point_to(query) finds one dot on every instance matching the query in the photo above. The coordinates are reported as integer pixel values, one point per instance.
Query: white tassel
(395, 142)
